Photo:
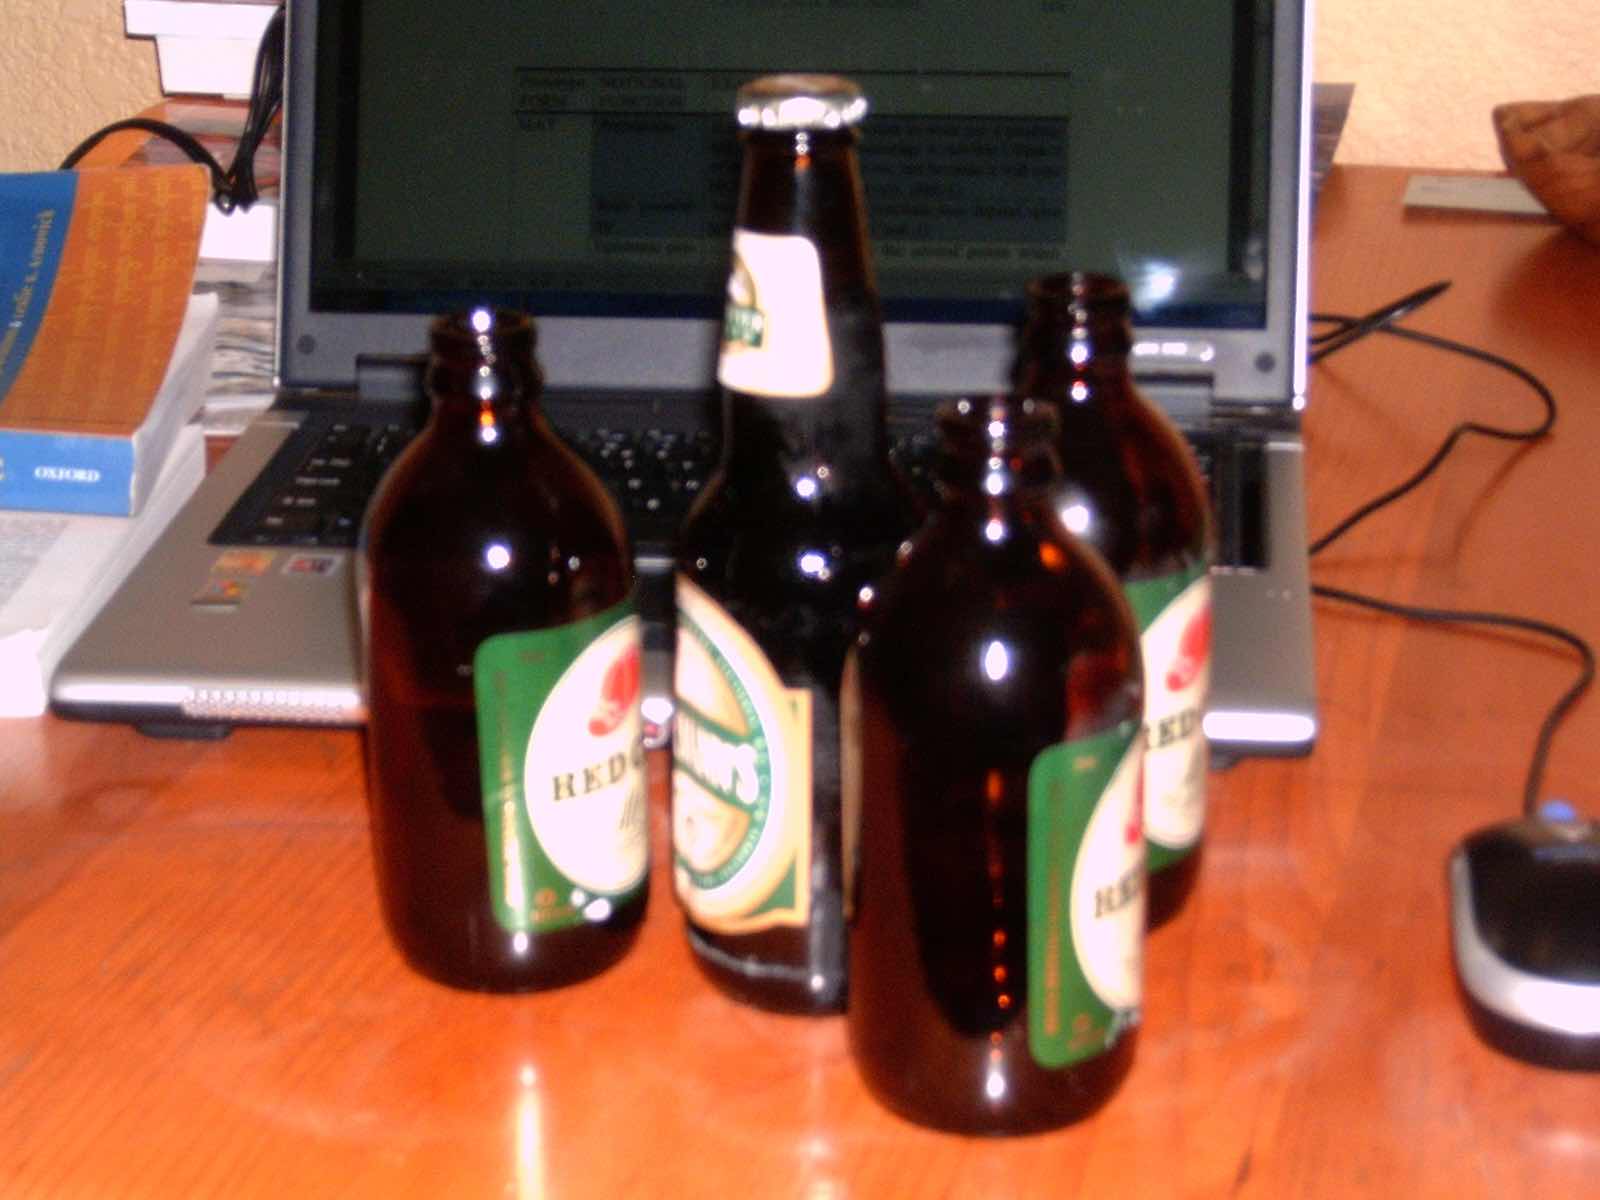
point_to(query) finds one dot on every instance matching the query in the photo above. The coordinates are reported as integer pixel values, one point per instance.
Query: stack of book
(104, 360)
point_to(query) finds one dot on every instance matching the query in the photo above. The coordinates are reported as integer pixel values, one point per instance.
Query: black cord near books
(1345, 330)
(233, 186)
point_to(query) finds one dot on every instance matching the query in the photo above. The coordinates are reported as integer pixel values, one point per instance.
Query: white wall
(1429, 72)
(66, 69)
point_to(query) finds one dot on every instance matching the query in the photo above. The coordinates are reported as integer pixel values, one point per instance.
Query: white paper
(57, 571)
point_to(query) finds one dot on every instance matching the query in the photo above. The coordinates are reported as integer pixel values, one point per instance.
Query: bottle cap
(800, 102)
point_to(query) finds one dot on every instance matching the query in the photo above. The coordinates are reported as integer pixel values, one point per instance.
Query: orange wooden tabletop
(197, 997)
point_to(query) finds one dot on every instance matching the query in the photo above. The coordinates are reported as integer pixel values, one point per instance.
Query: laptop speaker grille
(292, 706)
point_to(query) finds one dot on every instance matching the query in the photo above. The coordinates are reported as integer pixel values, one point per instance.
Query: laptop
(526, 155)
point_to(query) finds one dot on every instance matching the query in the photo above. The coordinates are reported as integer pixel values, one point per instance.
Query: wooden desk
(197, 998)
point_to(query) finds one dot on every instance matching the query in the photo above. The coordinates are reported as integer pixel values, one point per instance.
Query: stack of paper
(203, 47)
(58, 570)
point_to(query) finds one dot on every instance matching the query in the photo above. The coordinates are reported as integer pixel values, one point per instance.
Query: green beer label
(1086, 898)
(741, 777)
(1174, 615)
(561, 758)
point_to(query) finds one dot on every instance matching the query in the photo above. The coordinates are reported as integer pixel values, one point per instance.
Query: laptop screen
(582, 164)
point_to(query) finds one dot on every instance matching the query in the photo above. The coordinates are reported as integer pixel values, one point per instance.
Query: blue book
(104, 351)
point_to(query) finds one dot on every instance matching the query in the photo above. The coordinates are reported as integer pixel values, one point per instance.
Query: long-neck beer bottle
(803, 511)
(996, 905)
(504, 745)
(1132, 490)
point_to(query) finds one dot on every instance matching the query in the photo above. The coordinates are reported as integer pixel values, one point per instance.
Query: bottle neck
(1076, 341)
(482, 379)
(792, 440)
(998, 452)
(848, 418)
(807, 184)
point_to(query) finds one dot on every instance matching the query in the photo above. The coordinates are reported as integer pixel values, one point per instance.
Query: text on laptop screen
(571, 159)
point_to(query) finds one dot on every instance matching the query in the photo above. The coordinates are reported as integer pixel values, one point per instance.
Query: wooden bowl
(1553, 147)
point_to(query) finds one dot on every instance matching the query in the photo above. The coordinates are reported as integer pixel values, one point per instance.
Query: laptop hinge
(389, 377)
(1187, 400)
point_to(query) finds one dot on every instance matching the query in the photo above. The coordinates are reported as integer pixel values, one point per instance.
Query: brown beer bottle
(504, 746)
(803, 511)
(1131, 489)
(996, 902)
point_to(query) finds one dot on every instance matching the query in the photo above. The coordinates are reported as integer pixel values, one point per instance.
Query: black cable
(1350, 329)
(234, 186)
(1382, 320)
(1547, 729)
(266, 97)
(185, 141)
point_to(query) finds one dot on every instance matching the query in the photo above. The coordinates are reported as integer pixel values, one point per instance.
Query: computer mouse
(1525, 921)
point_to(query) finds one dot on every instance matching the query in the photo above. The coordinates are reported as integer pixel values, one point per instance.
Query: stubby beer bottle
(1132, 490)
(802, 512)
(504, 745)
(996, 901)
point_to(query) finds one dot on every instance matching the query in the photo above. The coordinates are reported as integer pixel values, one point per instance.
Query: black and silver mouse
(1525, 917)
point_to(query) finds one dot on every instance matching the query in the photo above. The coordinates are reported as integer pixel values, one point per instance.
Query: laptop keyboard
(654, 473)
(315, 491)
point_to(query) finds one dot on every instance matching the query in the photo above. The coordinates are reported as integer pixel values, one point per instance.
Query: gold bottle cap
(800, 102)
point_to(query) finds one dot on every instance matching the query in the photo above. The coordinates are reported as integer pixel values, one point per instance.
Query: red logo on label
(618, 691)
(1194, 647)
